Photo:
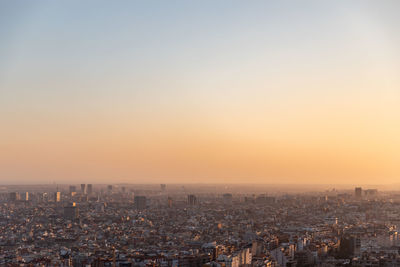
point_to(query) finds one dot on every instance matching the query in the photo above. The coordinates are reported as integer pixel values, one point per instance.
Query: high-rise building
(163, 187)
(192, 200)
(170, 202)
(72, 189)
(358, 192)
(14, 196)
(57, 196)
(25, 196)
(140, 202)
(83, 188)
(89, 189)
(71, 211)
(349, 246)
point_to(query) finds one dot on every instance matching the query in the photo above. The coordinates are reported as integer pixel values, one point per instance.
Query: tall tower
(57, 196)
(89, 189)
(83, 188)
(170, 202)
(358, 192)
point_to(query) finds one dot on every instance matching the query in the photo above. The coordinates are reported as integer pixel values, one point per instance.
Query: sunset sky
(206, 91)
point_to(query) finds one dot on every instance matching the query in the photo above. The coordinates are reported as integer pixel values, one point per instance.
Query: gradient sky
(207, 91)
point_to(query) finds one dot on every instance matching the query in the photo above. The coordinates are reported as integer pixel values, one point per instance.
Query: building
(83, 188)
(358, 192)
(264, 199)
(14, 196)
(72, 189)
(89, 189)
(71, 211)
(349, 247)
(109, 189)
(57, 196)
(371, 192)
(170, 202)
(25, 196)
(163, 187)
(192, 200)
(140, 202)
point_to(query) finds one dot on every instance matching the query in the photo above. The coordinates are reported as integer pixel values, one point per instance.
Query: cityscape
(176, 133)
(196, 225)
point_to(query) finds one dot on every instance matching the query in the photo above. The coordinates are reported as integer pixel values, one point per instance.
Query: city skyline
(179, 92)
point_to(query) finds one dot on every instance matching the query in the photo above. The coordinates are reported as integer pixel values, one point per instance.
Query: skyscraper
(14, 196)
(358, 192)
(57, 196)
(89, 189)
(72, 189)
(170, 202)
(83, 188)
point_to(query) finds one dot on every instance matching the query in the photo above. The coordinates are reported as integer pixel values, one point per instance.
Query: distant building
(227, 198)
(109, 189)
(83, 188)
(57, 196)
(25, 196)
(71, 211)
(250, 199)
(358, 192)
(89, 189)
(170, 202)
(140, 202)
(264, 199)
(14, 196)
(72, 189)
(192, 200)
(163, 187)
(349, 246)
(371, 192)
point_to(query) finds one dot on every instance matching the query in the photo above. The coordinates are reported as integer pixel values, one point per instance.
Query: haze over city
(199, 133)
(206, 92)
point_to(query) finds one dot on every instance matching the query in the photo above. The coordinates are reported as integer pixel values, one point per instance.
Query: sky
(200, 92)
